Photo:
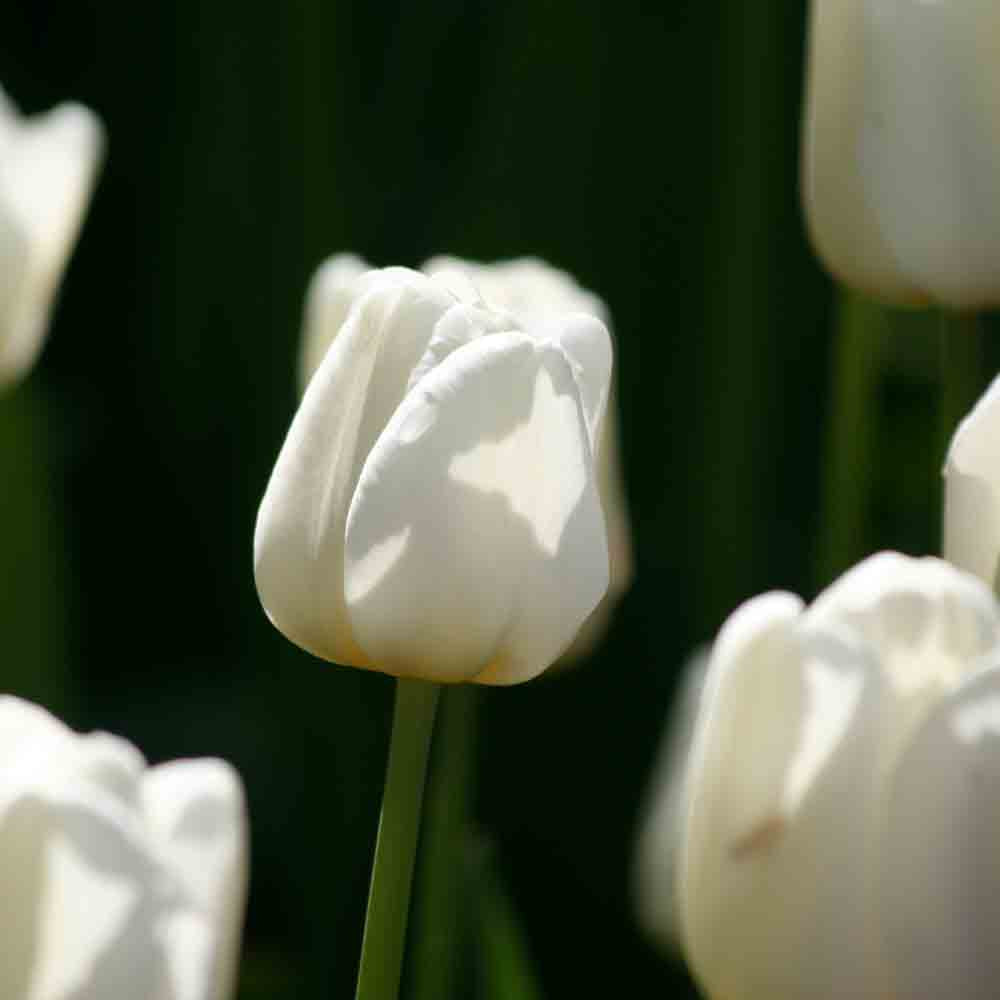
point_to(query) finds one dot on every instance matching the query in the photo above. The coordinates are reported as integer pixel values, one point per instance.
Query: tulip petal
(663, 827)
(928, 623)
(299, 537)
(47, 171)
(475, 539)
(197, 810)
(587, 344)
(902, 147)
(780, 777)
(334, 288)
(527, 287)
(972, 490)
(941, 898)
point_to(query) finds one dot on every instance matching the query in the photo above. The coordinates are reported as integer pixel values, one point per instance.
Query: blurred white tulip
(48, 164)
(665, 810)
(434, 511)
(972, 491)
(840, 811)
(538, 296)
(901, 156)
(119, 881)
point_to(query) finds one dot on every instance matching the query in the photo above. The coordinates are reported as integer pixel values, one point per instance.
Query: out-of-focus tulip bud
(538, 296)
(118, 880)
(47, 167)
(901, 159)
(972, 491)
(840, 820)
(434, 511)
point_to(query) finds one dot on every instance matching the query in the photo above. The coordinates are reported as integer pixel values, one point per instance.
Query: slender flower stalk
(962, 367)
(441, 896)
(861, 328)
(396, 846)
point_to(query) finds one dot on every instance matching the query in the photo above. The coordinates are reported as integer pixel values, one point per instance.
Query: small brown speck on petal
(759, 840)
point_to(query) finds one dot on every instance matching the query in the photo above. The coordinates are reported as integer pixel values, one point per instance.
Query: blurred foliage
(650, 150)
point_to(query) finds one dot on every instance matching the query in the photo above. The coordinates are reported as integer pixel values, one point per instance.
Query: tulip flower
(663, 822)
(538, 296)
(972, 491)
(48, 163)
(901, 156)
(118, 880)
(434, 510)
(840, 819)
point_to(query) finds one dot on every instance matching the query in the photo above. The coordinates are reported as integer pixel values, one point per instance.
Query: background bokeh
(652, 151)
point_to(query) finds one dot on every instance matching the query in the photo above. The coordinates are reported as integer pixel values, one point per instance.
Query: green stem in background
(395, 848)
(861, 327)
(505, 966)
(439, 914)
(961, 369)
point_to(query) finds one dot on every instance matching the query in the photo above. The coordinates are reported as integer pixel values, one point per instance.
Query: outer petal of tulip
(902, 148)
(95, 905)
(299, 537)
(197, 810)
(526, 287)
(776, 857)
(539, 295)
(661, 829)
(928, 624)
(972, 491)
(334, 288)
(475, 539)
(48, 163)
(941, 898)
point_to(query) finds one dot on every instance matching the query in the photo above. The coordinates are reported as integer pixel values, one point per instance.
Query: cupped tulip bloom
(840, 812)
(538, 296)
(118, 880)
(433, 512)
(48, 163)
(901, 157)
(972, 491)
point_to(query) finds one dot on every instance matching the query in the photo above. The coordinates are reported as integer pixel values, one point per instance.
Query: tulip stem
(441, 891)
(396, 845)
(858, 341)
(961, 369)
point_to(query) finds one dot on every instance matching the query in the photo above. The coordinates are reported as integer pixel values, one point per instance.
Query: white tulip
(665, 811)
(48, 163)
(538, 296)
(901, 156)
(840, 811)
(118, 880)
(972, 491)
(434, 511)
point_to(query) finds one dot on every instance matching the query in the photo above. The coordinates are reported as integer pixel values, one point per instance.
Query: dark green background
(651, 150)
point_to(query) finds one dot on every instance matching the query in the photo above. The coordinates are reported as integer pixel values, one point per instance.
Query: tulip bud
(433, 512)
(972, 491)
(47, 168)
(118, 880)
(839, 829)
(901, 156)
(538, 296)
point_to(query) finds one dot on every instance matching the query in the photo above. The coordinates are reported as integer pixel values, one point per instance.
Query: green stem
(857, 356)
(506, 968)
(961, 369)
(395, 848)
(439, 918)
